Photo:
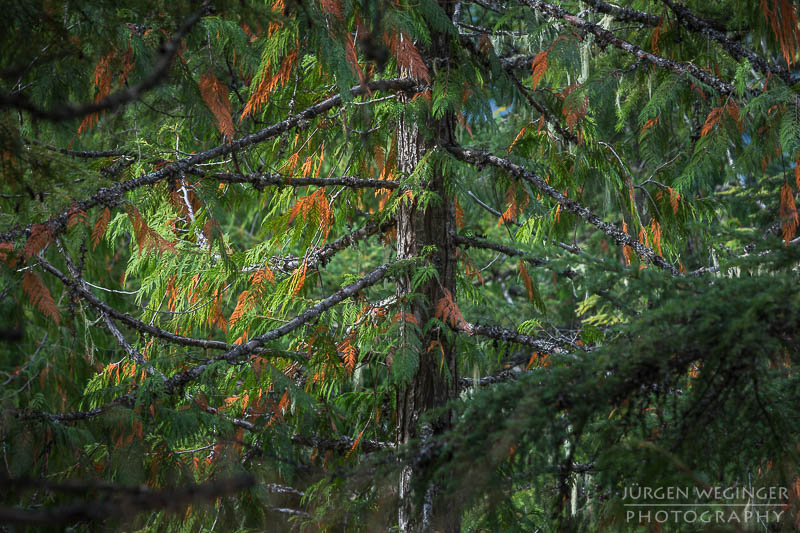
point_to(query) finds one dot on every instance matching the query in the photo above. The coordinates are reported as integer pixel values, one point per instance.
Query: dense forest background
(422, 265)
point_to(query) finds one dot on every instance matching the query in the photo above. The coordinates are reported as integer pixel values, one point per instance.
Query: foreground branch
(120, 502)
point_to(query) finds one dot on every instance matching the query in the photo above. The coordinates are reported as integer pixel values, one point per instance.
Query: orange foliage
(39, 295)
(268, 83)
(409, 61)
(215, 95)
(39, 238)
(448, 312)
(782, 18)
(788, 213)
(100, 227)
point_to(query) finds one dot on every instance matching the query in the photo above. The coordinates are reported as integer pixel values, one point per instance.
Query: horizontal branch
(624, 14)
(111, 195)
(122, 501)
(480, 157)
(509, 335)
(321, 255)
(605, 36)
(571, 248)
(80, 153)
(261, 180)
(344, 444)
(114, 100)
(502, 377)
(488, 245)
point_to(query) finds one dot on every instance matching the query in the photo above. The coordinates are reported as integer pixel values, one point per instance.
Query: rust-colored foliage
(782, 18)
(788, 213)
(215, 95)
(334, 7)
(299, 277)
(409, 61)
(268, 83)
(100, 227)
(448, 312)
(316, 203)
(39, 238)
(459, 214)
(627, 251)
(539, 65)
(146, 237)
(39, 295)
(711, 120)
(517, 138)
(76, 216)
(526, 279)
(349, 353)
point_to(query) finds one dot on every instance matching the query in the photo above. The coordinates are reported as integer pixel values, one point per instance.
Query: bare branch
(488, 245)
(260, 180)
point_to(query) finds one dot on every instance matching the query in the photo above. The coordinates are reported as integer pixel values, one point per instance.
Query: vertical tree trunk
(436, 379)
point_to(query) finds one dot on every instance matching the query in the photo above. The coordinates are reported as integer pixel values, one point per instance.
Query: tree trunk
(436, 379)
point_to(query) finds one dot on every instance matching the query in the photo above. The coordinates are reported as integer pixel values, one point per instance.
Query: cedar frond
(788, 213)
(268, 83)
(40, 237)
(409, 61)
(39, 295)
(627, 251)
(215, 95)
(517, 138)
(243, 303)
(526, 279)
(349, 353)
(76, 216)
(711, 120)
(782, 18)
(448, 312)
(100, 227)
(459, 214)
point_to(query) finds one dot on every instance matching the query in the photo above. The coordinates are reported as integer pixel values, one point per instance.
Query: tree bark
(436, 379)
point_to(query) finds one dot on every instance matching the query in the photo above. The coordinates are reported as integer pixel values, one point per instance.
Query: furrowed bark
(436, 379)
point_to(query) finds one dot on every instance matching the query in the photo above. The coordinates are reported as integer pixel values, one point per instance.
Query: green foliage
(155, 256)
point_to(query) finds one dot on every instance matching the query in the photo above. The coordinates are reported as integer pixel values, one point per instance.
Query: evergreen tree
(421, 266)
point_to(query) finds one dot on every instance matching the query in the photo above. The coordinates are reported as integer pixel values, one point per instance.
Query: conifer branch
(624, 14)
(341, 445)
(509, 335)
(605, 37)
(737, 51)
(109, 196)
(80, 153)
(503, 249)
(617, 235)
(119, 502)
(261, 180)
(178, 381)
(128, 319)
(112, 101)
(320, 256)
